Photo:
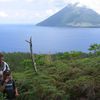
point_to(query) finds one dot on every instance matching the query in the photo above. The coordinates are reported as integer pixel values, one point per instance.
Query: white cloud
(3, 14)
(50, 11)
(34, 11)
(93, 4)
(5, 0)
(29, 1)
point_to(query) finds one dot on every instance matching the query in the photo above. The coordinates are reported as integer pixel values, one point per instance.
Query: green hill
(62, 76)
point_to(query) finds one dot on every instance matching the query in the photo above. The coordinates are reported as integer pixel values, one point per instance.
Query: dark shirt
(9, 91)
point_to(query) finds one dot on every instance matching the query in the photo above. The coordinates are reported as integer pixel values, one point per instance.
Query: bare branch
(27, 41)
(31, 53)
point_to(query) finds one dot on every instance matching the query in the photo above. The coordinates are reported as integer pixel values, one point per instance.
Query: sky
(34, 11)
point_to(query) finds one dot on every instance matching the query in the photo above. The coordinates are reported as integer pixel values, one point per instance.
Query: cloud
(30, 1)
(93, 4)
(3, 14)
(34, 11)
(5, 0)
(51, 11)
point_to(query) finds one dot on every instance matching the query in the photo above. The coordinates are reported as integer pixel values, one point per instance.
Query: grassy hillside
(61, 76)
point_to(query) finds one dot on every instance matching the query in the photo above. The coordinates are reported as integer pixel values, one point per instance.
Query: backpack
(4, 67)
(9, 91)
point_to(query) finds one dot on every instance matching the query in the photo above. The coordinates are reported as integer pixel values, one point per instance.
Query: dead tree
(32, 55)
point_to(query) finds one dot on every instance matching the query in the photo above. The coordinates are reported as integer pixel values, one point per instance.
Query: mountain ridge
(73, 16)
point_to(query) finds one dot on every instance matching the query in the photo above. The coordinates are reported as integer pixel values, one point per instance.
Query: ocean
(47, 39)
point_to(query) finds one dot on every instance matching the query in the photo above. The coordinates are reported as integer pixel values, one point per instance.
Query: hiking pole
(31, 53)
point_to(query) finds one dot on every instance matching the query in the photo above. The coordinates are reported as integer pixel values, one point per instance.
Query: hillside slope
(62, 76)
(73, 16)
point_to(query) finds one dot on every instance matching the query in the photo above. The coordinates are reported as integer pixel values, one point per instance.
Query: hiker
(3, 65)
(8, 85)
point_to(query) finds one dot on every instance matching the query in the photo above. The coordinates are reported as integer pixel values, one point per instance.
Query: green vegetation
(62, 76)
(95, 48)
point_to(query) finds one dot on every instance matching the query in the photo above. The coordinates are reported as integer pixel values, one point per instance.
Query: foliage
(95, 47)
(62, 76)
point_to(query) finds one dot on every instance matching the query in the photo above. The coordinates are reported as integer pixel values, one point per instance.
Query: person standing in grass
(3, 65)
(10, 91)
